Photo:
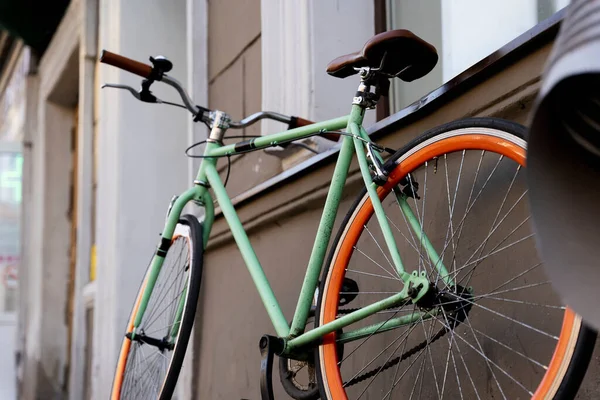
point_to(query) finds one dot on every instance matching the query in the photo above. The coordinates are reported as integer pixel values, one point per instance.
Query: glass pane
(11, 165)
(463, 31)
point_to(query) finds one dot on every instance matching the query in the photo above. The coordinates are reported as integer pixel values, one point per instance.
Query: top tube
(277, 138)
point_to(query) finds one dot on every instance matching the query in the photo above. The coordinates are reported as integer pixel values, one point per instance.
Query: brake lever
(142, 95)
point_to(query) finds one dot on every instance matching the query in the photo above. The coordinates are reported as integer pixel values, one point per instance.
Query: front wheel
(149, 365)
(492, 327)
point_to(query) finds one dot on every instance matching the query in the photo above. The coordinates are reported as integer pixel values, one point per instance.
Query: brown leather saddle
(407, 56)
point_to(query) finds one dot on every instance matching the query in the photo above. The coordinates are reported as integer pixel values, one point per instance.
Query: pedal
(269, 345)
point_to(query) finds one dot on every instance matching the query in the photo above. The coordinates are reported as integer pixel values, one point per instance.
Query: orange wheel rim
(125, 347)
(365, 210)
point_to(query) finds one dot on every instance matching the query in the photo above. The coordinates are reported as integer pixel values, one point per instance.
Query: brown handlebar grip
(302, 122)
(297, 122)
(135, 67)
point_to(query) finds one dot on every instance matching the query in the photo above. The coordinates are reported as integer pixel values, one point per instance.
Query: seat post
(370, 78)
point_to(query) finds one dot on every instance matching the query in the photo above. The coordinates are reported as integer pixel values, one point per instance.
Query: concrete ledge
(513, 52)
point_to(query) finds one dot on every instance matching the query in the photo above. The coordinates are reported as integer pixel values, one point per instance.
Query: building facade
(94, 195)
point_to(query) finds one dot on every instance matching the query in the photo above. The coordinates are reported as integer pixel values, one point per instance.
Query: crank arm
(269, 346)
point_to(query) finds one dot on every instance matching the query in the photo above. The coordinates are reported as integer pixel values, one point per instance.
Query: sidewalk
(7, 357)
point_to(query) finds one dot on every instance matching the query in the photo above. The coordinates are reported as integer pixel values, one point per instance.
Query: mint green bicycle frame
(294, 336)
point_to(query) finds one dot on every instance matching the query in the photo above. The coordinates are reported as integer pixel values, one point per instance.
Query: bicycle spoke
(500, 242)
(525, 302)
(370, 274)
(398, 365)
(404, 335)
(529, 286)
(493, 226)
(421, 352)
(420, 255)
(175, 306)
(446, 368)
(410, 231)
(378, 372)
(451, 355)
(397, 195)
(421, 369)
(511, 319)
(481, 353)
(167, 307)
(457, 376)
(437, 386)
(394, 381)
(410, 182)
(381, 249)
(511, 349)
(499, 250)
(146, 375)
(494, 364)
(422, 217)
(159, 300)
(469, 207)
(516, 277)
(367, 338)
(461, 357)
(389, 311)
(493, 252)
(483, 296)
(395, 276)
(146, 383)
(357, 293)
(446, 371)
(451, 208)
(162, 328)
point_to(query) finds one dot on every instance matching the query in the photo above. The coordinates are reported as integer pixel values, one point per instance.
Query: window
(12, 121)
(10, 228)
(463, 31)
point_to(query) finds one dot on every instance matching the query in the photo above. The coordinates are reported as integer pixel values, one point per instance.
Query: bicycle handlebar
(249, 120)
(127, 64)
(147, 71)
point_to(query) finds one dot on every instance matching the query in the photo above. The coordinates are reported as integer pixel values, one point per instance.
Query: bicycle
(436, 306)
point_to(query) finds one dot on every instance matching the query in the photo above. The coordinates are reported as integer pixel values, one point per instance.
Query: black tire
(586, 338)
(579, 363)
(189, 312)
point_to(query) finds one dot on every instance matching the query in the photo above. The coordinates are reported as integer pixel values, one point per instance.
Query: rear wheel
(149, 365)
(499, 331)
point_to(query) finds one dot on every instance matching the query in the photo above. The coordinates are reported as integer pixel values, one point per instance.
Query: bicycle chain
(412, 351)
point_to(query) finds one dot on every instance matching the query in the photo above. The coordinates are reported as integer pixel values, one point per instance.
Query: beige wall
(282, 223)
(234, 70)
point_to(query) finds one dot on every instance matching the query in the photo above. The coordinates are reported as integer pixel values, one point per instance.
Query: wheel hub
(452, 300)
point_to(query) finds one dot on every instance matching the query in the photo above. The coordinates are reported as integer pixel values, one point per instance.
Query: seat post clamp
(201, 183)
(365, 99)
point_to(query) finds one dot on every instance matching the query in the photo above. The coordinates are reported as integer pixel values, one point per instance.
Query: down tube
(241, 238)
